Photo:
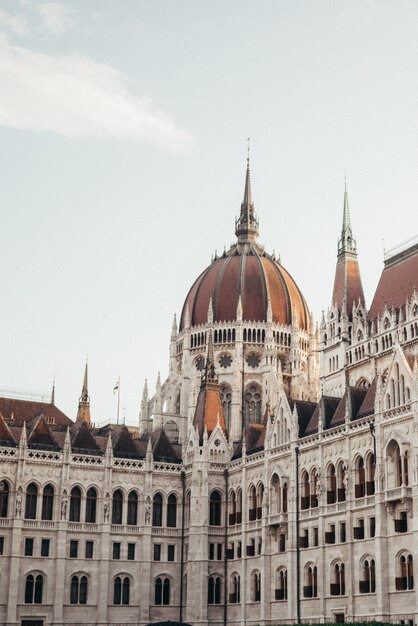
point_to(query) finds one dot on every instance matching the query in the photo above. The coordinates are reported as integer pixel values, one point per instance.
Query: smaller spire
(53, 391)
(246, 226)
(174, 328)
(83, 413)
(210, 375)
(210, 312)
(347, 243)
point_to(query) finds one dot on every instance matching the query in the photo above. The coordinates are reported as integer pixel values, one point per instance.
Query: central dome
(246, 270)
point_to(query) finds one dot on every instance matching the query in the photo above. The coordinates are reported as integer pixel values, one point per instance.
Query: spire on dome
(210, 375)
(246, 226)
(83, 413)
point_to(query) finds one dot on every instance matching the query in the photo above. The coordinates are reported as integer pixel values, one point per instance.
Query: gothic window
(252, 404)
(253, 360)
(226, 400)
(132, 519)
(360, 486)
(172, 511)
(284, 498)
(239, 506)
(332, 485)
(117, 507)
(394, 465)
(215, 509)
(337, 587)
(47, 502)
(4, 498)
(157, 510)
(305, 489)
(235, 595)
(256, 586)
(31, 501)
(310, 588)
(252, 504)
(214, 590)
(370, 471)
(275, 500)
(91, 505)
(78, 590)
(33, 589)
(232, 508)
(341, 490)
(225, 360)
(162, 591)
(281, 584)
(121, 590)
(260, 495)
(367, 583)
(405, 573)
(75, 504)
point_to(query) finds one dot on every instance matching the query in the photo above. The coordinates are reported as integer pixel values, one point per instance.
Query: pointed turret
(174, 328)
(348, 288)
(246, 226)
(209, 411)
(83, 413)
(53, 392)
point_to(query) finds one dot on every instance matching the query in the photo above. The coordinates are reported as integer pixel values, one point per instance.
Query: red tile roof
(347, 281)
(26, 410)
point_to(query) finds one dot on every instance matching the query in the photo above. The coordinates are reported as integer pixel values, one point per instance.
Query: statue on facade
(19, 502)
(64, 505)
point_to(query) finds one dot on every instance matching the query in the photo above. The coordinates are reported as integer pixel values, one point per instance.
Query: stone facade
(246, 496)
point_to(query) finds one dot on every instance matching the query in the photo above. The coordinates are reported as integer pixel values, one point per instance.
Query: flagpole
(117, 419)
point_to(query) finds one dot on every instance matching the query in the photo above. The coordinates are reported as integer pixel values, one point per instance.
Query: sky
(123, 135)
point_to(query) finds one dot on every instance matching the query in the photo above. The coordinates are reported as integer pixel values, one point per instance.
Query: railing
(279, 594)
(401, 525)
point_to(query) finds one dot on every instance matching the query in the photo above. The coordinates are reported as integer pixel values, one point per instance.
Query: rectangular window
(131, 551)
(157, 552)
(73, 549)
(171, 549)
(372, 526)
(1, 545)
(315, 536)
(239, 550)
(219, 552)
(260, 544)
(342, 532)
(116, 550)
(45, 547)
(29, 546)
(282, 542)
(211, 551)
(89, 549)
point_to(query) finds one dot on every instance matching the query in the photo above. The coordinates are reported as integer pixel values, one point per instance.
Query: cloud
(16, 23)
(56, 17)
(75, 96)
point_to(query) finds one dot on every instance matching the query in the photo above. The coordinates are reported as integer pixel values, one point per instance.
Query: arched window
(281, 584)
(239, 506)
(370, 471)
(260, 496)
(332, 485)
(256, 586)
(157, 510)
(305, 498)
(310, 588)
(226, 400)
(405, 568)
(33, 589)
(121, 590)
(78, 590)
(117, 507)
(252, 504)
(360, 486)
(235, 595)
(75, 504)
(215, 509)
(162, 591)
(214, 590)
(47, 502)
(232, 508)
(284, 498)
(4, 498)
(132, 508)
(367, 583)
(394, 465)
(252, 404)
(172, 511)
(31, 501)
(338, 584)
(91, 505)
(341, 490)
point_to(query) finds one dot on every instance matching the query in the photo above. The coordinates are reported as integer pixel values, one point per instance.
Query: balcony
(330, 537)
(314, 501)
(395, 494)
(331, 499)
(250, 550)
(401, 525)
(359, 490)
(233, 598)
(308, 592)
(252, 515)
(304, 502)
(335, 589)
(232, 519)
(403, 583)
(358, 532)
(239, 517)
(370, 487)
(279, 594)
(341, 495)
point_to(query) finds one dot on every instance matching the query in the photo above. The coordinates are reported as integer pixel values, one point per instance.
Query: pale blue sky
(123, 132)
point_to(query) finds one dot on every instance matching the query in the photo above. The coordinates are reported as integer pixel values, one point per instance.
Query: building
(273, 477)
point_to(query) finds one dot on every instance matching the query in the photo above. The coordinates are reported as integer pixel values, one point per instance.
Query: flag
(116, 387)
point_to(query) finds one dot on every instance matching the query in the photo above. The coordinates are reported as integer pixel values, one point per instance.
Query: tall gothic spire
(83, 413)
(246, 226)
(348, 288)
(346, 243)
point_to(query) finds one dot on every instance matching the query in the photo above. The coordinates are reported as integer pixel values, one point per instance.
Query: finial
(248, 151)
(246, 226)
(346, 243)
(53, 391)
(84, 402)
(210, 374)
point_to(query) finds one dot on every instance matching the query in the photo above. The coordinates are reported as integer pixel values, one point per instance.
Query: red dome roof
(246, 271)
